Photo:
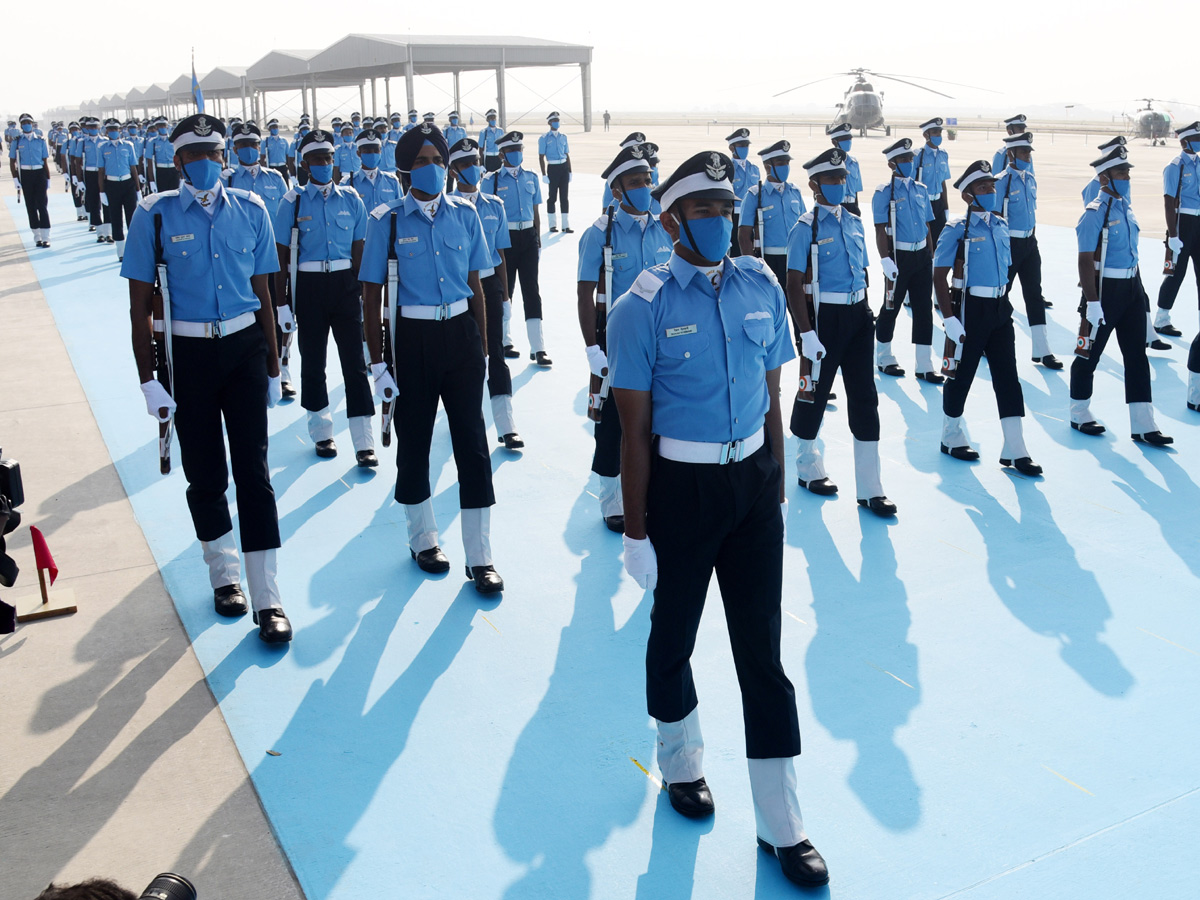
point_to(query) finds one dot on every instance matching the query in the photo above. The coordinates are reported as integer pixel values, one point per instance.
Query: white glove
(141, 179)
(641, 562)
(1095, 313)
(597, 361)
(783, 508)
(287, 322)
(570, 177)
(811, 346)
(889, 268)
(274, 390)
(954, 329)
(75, 180)
(103, 199)
(385, 385)
(154, 187)
(545, 179)
(1175, 244)
(157, 398)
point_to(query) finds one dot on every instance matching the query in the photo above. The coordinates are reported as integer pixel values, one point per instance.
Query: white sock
(924, 353)
(422, 527)
(1151, 334)
(776, 806)
(507, 319)
(681, 749)
(954, 431)
(1162, 318)
(1081, 412)
(612, 503)
(868, 480)
(883, 354)
(1194, 388)
(1014, 438)
(477, 535)
(1041, 345)
(260, 578)
(533, 328)
(1141, 418)
(566, 221)
(502, 413)
(809, 464)
(361, 433)
(553, 217)
(224, 566)
(320, 425)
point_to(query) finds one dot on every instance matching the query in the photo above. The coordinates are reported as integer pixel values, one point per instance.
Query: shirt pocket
(413, 249)
(685, 354)
(182, 255)
(758, 333)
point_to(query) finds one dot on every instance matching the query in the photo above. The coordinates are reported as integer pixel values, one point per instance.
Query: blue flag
(197, 94)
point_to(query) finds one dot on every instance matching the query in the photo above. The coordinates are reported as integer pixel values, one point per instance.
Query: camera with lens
(12, 495)
(169, 886)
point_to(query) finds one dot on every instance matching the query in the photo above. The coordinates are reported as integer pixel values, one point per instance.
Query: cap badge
(636, 152)
(835, 158)
(202, 127)
(985, 166)
(426, 129)
(715, 168)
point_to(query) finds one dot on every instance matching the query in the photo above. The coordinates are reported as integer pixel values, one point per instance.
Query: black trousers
(852, 206)
(914, 281)
(499, 377)
(989, 326)
(33, 183)
(940, 206)
(77, 194)
(848, 333)
(735, 248)
(1125, 313)
(441, 361)
(491, 162)
(122, 201)
(521, 260)
(705, 517)
(226, 379)
(166, 177)
(777, 263)
(1027, 262)
(91, 200)
(328, 302)
(606, 458)
(1189, 233)
(560, 179)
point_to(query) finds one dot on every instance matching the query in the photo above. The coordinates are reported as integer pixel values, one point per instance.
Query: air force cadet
(1181, 199)
(218, 249)
(933, 171)
(1013, 125)
(489, 136)
(454, 132)
(770, 211)
(745, 173)
(976, 249)
(842, 137)
(554, 158)
(1091, 190)
(250, 174)
(440, 344)
(696, 346)
(28, 157)
(373, 185)
(117, 179)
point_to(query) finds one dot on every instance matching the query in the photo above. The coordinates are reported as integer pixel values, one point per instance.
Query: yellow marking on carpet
(1068, 781)
(1172, 643)
(796, 617)
(489, 621)
(886, 672)
(646, 772)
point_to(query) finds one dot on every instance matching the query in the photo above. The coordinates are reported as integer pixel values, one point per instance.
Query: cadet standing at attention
(29, 160)
(827, 297)
(225, 369)
(332, 224)
(1091, 190)
(613, 251)
(842, 137)
(906, 257)
(387, 160)
(933, 171)
(1181, 200)
(983, 324)
(554, 158)
(634, 139)
(118, 183)
(1014, 125)
(251, 174)
(439, 343)
(489, 136)
(373, 185)
(91, 180)
(1113, 295)
(780, 204)
(696, 348)
(275, 149)
(454, 131)
(345, 157)
(745, 173)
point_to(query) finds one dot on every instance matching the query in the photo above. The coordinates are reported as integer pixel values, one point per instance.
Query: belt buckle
(442, 312)
(326, 263)
(216, 329)
(732, 452)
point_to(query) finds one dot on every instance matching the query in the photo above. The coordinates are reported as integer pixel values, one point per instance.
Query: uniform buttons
(220, 286)
(216, 256)
(736, 420)
(441, 279)
(437, 252)
(728, 340)
(734, 380)
(687, 354)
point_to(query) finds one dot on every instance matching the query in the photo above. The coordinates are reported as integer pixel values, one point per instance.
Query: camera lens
(169, 886)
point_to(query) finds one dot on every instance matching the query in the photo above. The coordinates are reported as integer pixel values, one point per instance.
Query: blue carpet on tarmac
(997, 690)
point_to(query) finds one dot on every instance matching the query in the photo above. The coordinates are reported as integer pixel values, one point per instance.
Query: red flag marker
(41, 556)
(45, 563)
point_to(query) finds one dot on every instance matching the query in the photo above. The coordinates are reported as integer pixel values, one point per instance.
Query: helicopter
(1151, 123)
(862, 106)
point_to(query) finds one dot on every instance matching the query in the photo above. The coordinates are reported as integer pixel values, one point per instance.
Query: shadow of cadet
(862, 670)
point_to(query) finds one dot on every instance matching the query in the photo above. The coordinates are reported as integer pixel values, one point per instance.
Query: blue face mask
(781, 173)
(935, 140)
(321, 174)
(470, 175)
(905, 169)
(1121, 187)
(112, 135)
(514, 157)
(1194, 146)
(740, 151)
(431, 179)
(412, 119)
(989, 202)
(638, 198)
(202, 174)
(454, 120)
(709, 238)
(26, 127)
(834, 193)
(844, 145)
(1021, 165)
(491, 123)
(554, 126)
(371, 160)
(303, 132)
(274, 131)
(247, 156)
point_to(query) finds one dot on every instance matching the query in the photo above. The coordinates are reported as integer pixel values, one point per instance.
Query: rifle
(285, 349)
(598, 384)
(1169, 263)
(889, 286)
(17, 171)
(810, 369)
(161, 307)
(389, 297)
(952, 350)
(759, 231)
(1083, 343)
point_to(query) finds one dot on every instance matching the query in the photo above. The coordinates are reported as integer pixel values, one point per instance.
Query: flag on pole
(197, 94)
(41, 553)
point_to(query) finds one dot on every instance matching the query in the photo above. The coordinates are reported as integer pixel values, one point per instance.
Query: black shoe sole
(813, 882)
(1090, 433)
(968, 455)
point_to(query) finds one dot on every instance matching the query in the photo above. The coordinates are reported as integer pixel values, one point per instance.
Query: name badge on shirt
(616, 256)
(304, 218)
(824, 241)
(178, 238)
(407, 240)
(767, 208)
(976, 239)
(681, 330)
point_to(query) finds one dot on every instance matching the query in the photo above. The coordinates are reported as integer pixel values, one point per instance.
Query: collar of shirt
(473, 196)
(189, 193)
(513, 171)
(628, 220)
(835, 211)
(413, 205)
(984, 217)
(323, 189)
(370, 173)
(777, 185)
(253, 170)
(683, 272)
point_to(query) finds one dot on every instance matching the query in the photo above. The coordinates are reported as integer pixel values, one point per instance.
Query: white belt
(937, 196)
(910, 247)
(1020, 234)
(1189, 211)
(117, 177)
(775, 251)
(703, 452)
(91, 168)
(836, 298)
(737, 206)
(1119, 273)
(487, 273)
(555, 162)
(325, 265)
(991, 292)
(30, 168)
(212, 329)
(437, 313)
(493, 153)
(519, 226)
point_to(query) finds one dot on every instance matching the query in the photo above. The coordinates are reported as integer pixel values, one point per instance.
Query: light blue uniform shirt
(1122, 252)
(383, 188)
(277, 150)
(328, 228)
(841, 249)
(1091, 190)
(435, 258)
(164, 152)
(488, 137)
(116, 157)
(387, 152)
(139, 145)
(554, 146)
(1018, 199)
(704, 360)
(345, 157)
(267, 183)
(1185, 165)
(210, 259)
(781, 211)
(492, 220)
(453, 134)
(745, 173)
(75, 146)
(30, 150)
(521, 194)
(634, 249)
(1000, 161)
(91, 151)
(854, 182)
(990, 254)
(932, 167)
(913, 211)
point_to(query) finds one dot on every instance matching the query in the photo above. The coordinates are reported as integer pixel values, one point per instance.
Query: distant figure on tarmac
(607, 119)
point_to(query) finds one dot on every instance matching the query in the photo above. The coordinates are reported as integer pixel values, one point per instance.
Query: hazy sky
(648, 57)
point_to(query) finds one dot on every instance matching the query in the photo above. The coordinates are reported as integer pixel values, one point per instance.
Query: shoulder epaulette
(290, 196)
(754, 264)
(384, 208)
(148, 202)
(807, 218)
(602, 222)
(647, 285)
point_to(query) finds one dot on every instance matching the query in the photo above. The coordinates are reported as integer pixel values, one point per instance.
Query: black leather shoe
(1091, 428)
(366, 459)
(801, 864)
(821, 486)
(1154, 438)
(287, 389)
(91, 229)
(881, 506)
(1158, 345)
(1169, 331)
(1050, 361)
(931, 377)
(1047, 304)
(963, 453)
(100, 240)
(110, 240)
(832, 396)
(1024, 465)
(487, 580)
(891, 369)
(228, 600)
(433, 560)
(1194, 407)
(512, 441)
(273, 626)
(553, 229)
(541, 359)
(615, 523)
(326, 449)
(691, 798)
(568, 230)
(510, 352)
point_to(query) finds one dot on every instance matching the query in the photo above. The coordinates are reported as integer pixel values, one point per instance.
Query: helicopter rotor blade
(817, 81)
(972, 87)
(912, 84)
